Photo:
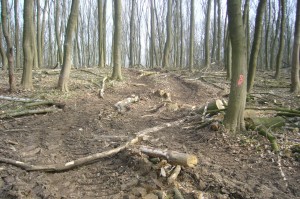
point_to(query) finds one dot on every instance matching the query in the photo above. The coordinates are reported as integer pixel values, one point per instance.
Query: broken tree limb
(27, 112)
(122, 105)
(47, 103)
(212, 106)
(173, 157)
(174, 175)
(17, 99)
(286, 110)
(91, 158)
(264, 126)
(102, 87)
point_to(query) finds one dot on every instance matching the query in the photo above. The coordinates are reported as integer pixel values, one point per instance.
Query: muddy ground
(230, 166)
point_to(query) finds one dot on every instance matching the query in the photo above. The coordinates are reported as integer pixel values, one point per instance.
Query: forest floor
(229, 166)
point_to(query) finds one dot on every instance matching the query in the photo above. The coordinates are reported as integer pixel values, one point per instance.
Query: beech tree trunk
(234, 118)
(17, 32)
(132, 34)
(256, 44)
(9, 46)
(57, 32)
(192, 34)
(295, 86)
(28, 48)
(281, 37)
(2, 51)
(117, 75)
(66, 67)
(169, 32)
(207, 34)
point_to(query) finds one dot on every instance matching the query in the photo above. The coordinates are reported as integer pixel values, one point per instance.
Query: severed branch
(174, 175)
(17, 99)
(173, 157)
(91, 158)
(122, 105)
(101, 92)
(27, 112)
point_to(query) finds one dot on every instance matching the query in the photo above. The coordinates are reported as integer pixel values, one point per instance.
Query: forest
(150, 99)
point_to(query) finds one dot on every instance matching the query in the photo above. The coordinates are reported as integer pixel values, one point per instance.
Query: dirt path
(228, 168)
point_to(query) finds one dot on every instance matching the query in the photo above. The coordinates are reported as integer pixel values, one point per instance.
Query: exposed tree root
(88, 159)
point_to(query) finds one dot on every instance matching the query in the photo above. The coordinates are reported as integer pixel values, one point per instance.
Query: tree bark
(152, 41)
(9, 52)
(192, 34)
(281, 37)
(295, 79)
(2, 51)
(17, 32)
(132, 34)
(167, 48)
(219, 33)
(66, 68)
(234, 118)
(117, 75)
(207, 34)
(100, 33)
(28, 49)
(57, 32)
(256, 44)
(39, 35)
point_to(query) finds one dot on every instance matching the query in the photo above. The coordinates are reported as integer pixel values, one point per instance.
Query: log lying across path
(173, 157)
(91, 158)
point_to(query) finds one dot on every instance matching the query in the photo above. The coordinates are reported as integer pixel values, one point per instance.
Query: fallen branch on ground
(27, 112)
(91, 158)
(122, 105)
(102, 87)
(173, 157)
(174, 175)
(17, 99)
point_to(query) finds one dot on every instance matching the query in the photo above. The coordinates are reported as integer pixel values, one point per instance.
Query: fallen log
(122, 105)
(27, 112)
(174, 175)
(264, 126)
(88, 159)
(216, 105)
(173, 157)
(17, 99)
(47, 103)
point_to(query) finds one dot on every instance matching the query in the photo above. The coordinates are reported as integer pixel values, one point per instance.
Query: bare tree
(234, 118)
(17, 32)
(207, 34)
(9, 46)
(66, 67)
(28, 48)
(117, 75)
(295, 86)
(192, 34)
(169, 31)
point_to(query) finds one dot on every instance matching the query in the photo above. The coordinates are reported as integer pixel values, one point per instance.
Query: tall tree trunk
(246, 23)
(275, 36)
(39, 35)
(17, 32)
(215, 32)
(28, 48)
(268, 16)
(169, 31)
(228, 55)
(57, 32)
(281, 42)
(181, 36)
(132, 34)
(192, 34)
(104, 32)
(100, 33)
(152, 43)
(219, 33)
(256, 44)
(9, 52)
(207, 34)
(2, 51)
(234, 118)
(43, 30)
(66, 67)
(295, 79)
(117, 75)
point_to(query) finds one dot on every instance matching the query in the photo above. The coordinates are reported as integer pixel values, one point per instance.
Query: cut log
(173, 157)
(212, 106)
(17, 99)
(264, 126)
(27, 112)
(122, 105)
(102, 87)
(174, 175)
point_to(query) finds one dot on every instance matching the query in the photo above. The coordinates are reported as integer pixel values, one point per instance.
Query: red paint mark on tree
(241, 80)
